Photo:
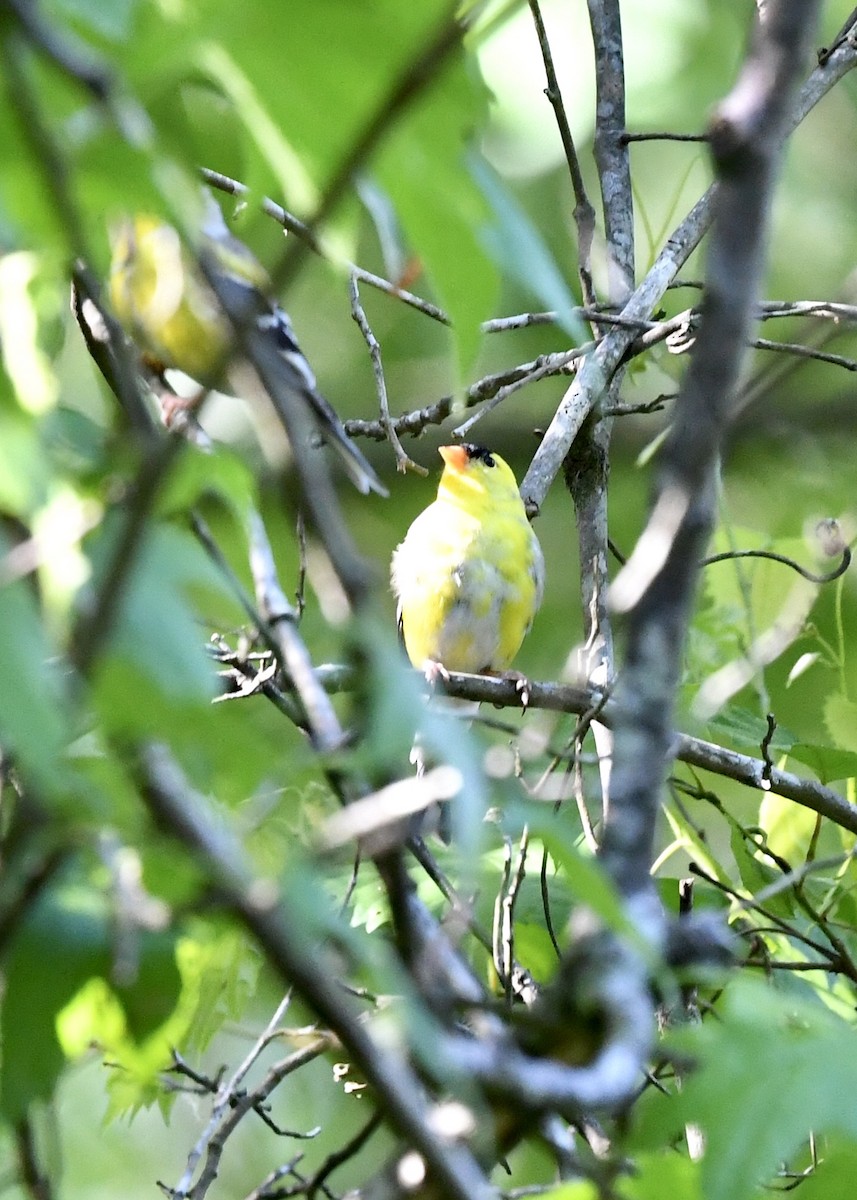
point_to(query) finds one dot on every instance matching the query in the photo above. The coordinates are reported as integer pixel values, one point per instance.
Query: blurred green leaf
(788, 826)
(24, 471)
(219, 970)
(34, 719)
(582, 1189)
(518, 249)
(159, 628)
(756, 873)
(833, 1176)
(423, 168)
(66, 940)
(217, 473)
(659, 1175)
(770, 1070)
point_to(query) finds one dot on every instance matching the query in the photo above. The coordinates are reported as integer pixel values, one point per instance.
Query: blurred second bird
(172, 306)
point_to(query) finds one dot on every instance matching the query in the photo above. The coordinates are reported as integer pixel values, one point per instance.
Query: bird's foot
(435, 673)
(522, 685)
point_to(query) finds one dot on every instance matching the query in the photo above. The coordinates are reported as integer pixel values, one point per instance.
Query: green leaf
(158, 628)
(199, 474)
(840, 717)
(834, 1175)
(759, 591)
(586, 879)
(534, 950)
(581, 1189)
(771, 1070)
(422, 167)
(33, 721)
(788, 826)
(219, 970)
(55, 952)
(24, 471)
(827, 762)
(656, 1176)
(746, 730)
(518, 248)
(67, 940)
(756, 873)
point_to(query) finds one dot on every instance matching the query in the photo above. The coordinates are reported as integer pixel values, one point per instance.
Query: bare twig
(627, 138)
(291, 223)
(403, 461)
(324, 726)
(772, 556)
(348, 1151)
(801, 351)
(584, 213)
(590, 383)
(611, 152)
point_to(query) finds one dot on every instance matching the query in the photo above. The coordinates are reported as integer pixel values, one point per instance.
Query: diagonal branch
(589, 386)
(291, 953)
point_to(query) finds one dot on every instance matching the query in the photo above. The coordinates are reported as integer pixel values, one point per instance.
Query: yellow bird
(469, 575)
(168, 308)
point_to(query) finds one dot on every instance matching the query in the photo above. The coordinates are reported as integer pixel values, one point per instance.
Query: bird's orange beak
(455, 457)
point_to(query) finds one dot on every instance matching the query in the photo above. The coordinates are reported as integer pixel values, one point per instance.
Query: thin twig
(727, 555)
(801, 351)
(590, 382)
(324, 726)
(348, 1151)
(584, 213)
(293, 224)
(403, 461)
(627, 137)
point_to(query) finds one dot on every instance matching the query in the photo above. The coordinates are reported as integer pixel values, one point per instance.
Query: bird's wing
(244, 302)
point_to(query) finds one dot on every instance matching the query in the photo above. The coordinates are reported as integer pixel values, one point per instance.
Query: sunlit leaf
(659, 1175)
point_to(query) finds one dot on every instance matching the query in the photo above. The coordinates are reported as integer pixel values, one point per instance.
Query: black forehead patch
(478, 453)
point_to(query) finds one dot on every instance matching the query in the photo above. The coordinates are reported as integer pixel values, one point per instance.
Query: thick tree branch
(658, 582)
(611, 151)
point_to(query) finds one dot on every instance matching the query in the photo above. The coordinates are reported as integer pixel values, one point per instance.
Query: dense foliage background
(170, 846)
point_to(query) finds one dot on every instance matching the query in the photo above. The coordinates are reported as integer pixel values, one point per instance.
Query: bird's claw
(521, 683)
(435, 672)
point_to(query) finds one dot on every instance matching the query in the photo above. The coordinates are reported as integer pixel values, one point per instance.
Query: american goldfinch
(167, 306)
(470, 573)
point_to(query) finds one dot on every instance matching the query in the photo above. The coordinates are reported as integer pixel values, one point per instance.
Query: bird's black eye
(480, 453)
